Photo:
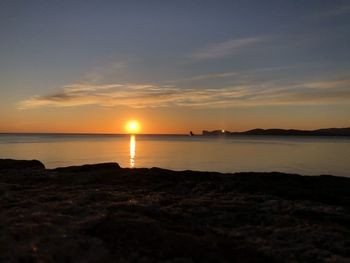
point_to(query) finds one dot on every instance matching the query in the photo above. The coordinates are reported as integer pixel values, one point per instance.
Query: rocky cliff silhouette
(319, 132)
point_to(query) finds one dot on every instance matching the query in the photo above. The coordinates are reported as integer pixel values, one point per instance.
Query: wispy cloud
(340, 10)
(150, 95)
(333, 12)
(229, 47)
(234, 74)
(214, 75)
(107, 71)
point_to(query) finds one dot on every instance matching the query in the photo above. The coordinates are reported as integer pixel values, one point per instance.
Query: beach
(105, 213)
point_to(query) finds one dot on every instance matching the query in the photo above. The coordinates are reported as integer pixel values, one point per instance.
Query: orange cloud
(141, 95)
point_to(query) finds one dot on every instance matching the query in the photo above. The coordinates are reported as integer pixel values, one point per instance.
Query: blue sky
(209, 62)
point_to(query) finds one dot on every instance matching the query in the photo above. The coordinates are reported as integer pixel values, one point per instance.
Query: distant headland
(284, 132)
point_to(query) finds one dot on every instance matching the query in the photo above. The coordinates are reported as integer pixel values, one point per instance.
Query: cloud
(226, 48)
(108, 71)
(150, 95)
(229, 74)
(340, 10)
(331, 84)
(333, 12)
(205, 76)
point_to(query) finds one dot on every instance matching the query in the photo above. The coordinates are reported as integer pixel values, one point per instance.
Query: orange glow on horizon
(132, 126)
(153, 121)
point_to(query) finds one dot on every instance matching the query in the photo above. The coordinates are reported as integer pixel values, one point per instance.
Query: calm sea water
(304, 155)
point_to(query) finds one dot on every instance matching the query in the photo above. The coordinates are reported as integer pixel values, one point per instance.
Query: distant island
(319, 132)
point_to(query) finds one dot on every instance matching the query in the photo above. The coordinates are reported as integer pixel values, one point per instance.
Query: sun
(132, 126)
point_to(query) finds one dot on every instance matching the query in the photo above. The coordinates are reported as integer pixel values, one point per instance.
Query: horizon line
(89, 133)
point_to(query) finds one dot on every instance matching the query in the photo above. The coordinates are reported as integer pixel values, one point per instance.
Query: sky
(90, 66)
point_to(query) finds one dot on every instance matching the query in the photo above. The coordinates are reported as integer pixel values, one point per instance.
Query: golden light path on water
(132, 151)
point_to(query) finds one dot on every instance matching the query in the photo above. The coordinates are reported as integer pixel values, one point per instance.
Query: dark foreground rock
(104, 213)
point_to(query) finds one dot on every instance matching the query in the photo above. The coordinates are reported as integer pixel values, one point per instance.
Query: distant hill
(319, 132)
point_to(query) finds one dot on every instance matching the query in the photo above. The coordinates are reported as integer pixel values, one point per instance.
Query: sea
(229, 154)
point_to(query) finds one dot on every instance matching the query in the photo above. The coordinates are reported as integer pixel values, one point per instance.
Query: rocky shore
(104, 213)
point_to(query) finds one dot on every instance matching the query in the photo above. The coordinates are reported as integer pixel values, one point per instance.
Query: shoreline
(105, 213)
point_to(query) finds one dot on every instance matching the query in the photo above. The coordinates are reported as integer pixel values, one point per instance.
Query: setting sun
(132, 126)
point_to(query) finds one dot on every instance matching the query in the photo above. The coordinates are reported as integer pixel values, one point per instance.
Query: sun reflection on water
(132, 151)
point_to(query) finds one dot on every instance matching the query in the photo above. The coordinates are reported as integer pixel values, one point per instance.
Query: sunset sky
(175, 66)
